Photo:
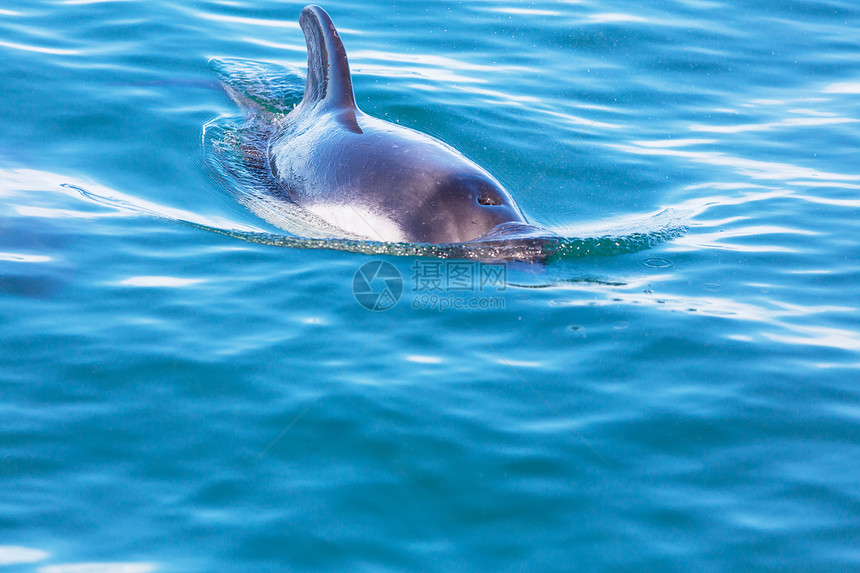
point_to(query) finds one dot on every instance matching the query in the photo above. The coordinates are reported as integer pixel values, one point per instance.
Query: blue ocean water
(177, 395)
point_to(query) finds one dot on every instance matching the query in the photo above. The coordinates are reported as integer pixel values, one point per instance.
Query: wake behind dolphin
(335, 176)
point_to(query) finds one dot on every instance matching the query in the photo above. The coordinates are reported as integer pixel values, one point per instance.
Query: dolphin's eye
(489, 198)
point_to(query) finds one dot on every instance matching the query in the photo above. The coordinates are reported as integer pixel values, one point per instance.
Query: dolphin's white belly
(359, 220)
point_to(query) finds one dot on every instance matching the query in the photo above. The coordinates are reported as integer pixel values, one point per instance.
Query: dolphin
(371, 178)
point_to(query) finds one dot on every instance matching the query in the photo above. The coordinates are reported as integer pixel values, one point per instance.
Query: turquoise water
(185, 388)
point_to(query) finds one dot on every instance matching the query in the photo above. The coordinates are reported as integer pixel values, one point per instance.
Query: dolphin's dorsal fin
(328, 83)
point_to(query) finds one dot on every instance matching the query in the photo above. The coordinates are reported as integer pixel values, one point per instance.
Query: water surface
(177, 397)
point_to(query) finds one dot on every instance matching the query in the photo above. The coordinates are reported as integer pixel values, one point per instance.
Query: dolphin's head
(462, 207)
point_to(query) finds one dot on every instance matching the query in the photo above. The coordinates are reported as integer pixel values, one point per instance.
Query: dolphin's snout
(514, 230)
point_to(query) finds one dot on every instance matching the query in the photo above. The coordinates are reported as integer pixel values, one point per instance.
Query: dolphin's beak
(514, 231)
(514, 241)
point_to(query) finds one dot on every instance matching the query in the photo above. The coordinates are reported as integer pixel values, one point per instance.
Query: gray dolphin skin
(371, 178)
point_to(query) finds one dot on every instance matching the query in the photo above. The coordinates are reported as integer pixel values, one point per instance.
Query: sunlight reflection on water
(18, 555)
